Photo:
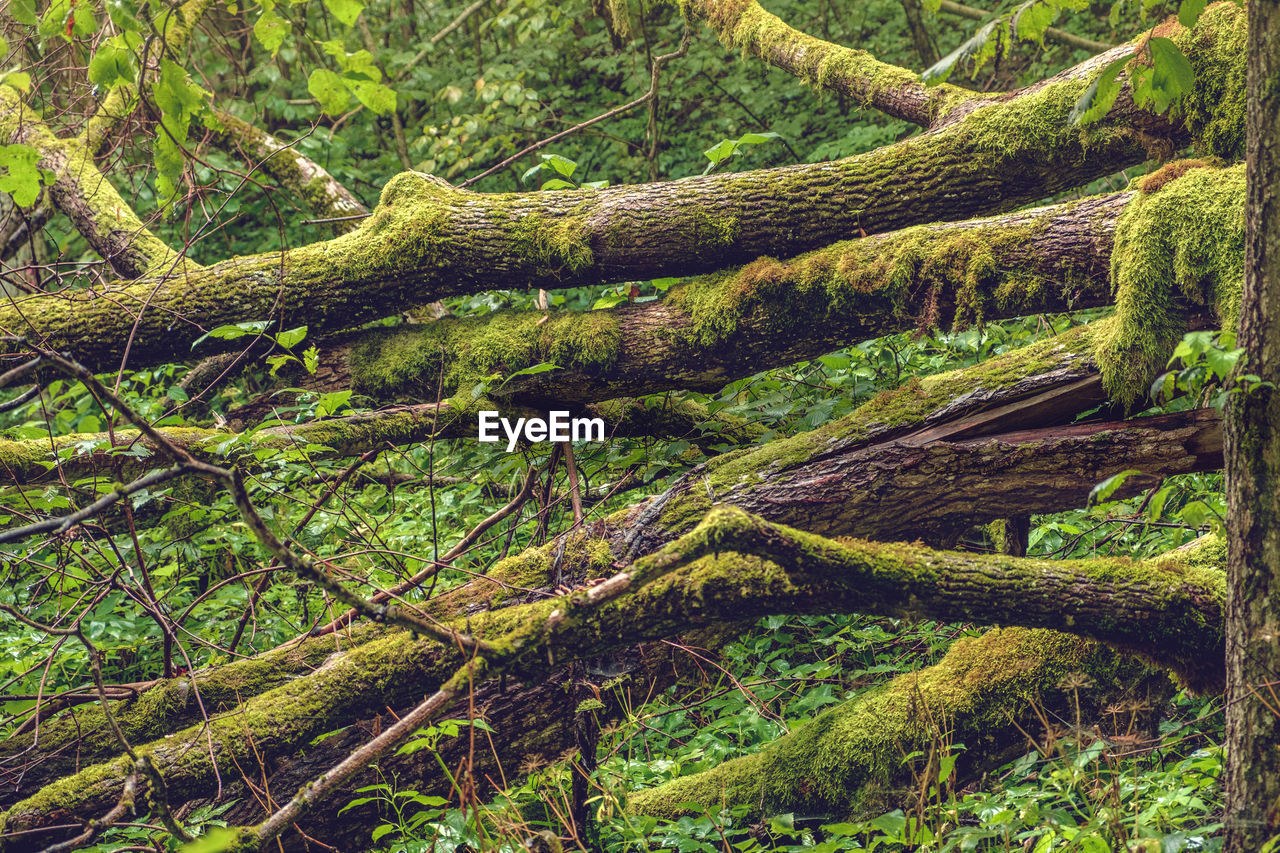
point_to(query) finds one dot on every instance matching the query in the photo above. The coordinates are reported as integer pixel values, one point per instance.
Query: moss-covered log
(849, 761)
(662, 594)
(722, 327)
(427, 240)
(124, 454)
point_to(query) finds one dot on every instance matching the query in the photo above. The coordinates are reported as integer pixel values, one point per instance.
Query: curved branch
(85, 195)
(297, 174)
(427, 240)
(898, 92)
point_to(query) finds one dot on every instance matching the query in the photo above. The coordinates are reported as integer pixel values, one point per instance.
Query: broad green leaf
(1032, 19)
(271, 30)
(4, 48)
(756, 138)
(331, 404)
(559, 184)
(1098, 98)
(1102, 492)
(83, 21)
(232, 331)
(562, 165)
(375, 96)
(24, 12)
(721, 151)
(1167, 79)
(1189, 12)
(179, 99)
(21, 176)
(292, 337)
(111, 64)
(361, 62)
(345, 11)
(327, 88)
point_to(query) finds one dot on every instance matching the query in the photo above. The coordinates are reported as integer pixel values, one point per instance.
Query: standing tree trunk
(1253, 472)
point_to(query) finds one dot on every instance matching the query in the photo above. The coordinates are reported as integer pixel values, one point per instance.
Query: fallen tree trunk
(850, 761)
(660, 595)
(1046, 383)
(427, 240)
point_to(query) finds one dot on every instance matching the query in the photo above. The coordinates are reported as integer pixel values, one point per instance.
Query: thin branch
(658, 62)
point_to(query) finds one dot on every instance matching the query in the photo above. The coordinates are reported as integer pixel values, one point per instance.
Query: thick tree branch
(661, 594)
(719, 328)
(29, 461)
(427, 240)
(298, 175)
(88, 199)
(899, 92)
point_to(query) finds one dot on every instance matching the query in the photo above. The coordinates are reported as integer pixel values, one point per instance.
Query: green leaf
(1100, 95)
(311, 359)
(1189, 12)
(292, 337)
(21, 177)
(111, 64)
(232, 331)
(1032, 19)
(4, 48)
(333, 403)
(375, 96)
(360, 62)
(383, 830)
(559, 184)
(973, 47)
(24, 12)
(179, 99)
(345, 11)
(271, 30)
(177, 394)
(1166, 80)
(83, 21)
(327, 88)
(721, 151)
(563, 166)
(533, 370)
(1108, 487)
(756, 138)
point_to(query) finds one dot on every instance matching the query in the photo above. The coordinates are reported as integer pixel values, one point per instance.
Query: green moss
(1214, 110)
(412, 361)
(920, 270)
(1181, 244)
(1033, 122)
(406, 232)
(848, 761)
(552, 246)
(747, 26)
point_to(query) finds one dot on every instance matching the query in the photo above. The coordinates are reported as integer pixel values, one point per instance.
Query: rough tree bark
(1253, 473)
(1007, 391)
(995, 432)
(427, 240)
